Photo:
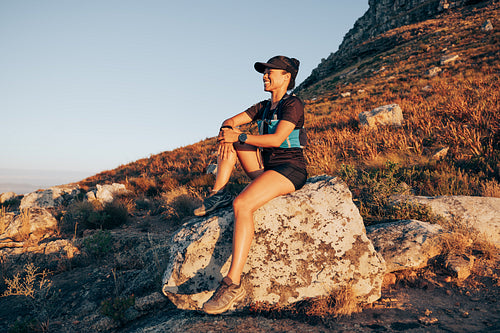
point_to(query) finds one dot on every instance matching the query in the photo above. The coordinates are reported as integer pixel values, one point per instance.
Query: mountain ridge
(381, 16)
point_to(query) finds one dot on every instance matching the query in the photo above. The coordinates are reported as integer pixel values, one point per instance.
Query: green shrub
(24, 325)
(116, 307)
(85, 215)
(115, 214)
(99, 244)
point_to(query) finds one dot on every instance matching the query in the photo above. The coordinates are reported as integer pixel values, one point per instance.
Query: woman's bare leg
(225, 167)
(250, 161)
(267, 186)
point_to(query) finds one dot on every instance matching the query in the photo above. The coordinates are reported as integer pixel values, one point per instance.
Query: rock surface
(382, 116)
(29, 232)
(405, 244)
(51, 197)
(306, 244)
(482, 214)
(487, 26)
(106, 193)
(4, 197)
(433, 71)
(448, 58)
(459, 265)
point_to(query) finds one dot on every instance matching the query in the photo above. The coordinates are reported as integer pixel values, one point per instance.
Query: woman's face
(275, 79)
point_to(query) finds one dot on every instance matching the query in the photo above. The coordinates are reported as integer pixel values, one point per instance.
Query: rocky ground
(427, 300)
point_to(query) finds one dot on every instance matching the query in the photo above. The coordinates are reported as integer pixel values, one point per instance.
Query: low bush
(116, 307)
(83, 215)
(99, 244)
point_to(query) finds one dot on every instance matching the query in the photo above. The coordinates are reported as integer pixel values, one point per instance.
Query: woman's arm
(283, 130)
(239, 119)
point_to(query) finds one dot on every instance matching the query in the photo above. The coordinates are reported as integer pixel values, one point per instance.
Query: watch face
(242, 138)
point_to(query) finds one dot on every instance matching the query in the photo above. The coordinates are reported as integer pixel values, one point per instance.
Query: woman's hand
(227, 135)
(225, 150)
(226, 139)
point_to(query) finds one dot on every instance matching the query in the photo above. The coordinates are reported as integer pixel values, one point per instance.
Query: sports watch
(242, 138)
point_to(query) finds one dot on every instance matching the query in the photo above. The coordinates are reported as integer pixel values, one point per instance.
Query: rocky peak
(381, 16)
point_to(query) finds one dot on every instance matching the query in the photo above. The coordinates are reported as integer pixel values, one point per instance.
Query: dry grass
(338, 303)
(27, 283)
(24, 229)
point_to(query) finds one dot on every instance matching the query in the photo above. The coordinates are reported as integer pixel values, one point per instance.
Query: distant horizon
(22, 181)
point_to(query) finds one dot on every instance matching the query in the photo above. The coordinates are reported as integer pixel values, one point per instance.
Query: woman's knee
(241, 205)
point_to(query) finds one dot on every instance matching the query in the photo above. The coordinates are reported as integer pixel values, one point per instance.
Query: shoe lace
(220, 291)
(211, 200)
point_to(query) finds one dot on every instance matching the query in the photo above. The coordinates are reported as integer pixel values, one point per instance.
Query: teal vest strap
(292, 141)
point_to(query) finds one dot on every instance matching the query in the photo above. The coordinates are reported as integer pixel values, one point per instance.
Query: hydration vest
(296, 139)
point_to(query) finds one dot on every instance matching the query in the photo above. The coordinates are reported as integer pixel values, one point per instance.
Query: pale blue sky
(90, 85)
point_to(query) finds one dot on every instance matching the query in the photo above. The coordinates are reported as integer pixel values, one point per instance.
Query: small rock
(90, 196)
(389, 280)
(150, 301)
(440, 154)
(104, 324)
(448, 58)
(433, 71)
(4, 197)
(382, 115)
(345, 94)
(487, 26)
(107, 193)
(427, 88)
(211, 169)
(361, 91)
(427, 320)
(460, 265)
(428, 312)
(464, 314)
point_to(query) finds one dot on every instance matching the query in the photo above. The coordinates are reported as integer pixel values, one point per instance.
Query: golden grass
(27, 283)
(338, 303)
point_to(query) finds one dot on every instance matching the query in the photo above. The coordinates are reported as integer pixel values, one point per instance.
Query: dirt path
(424, 307)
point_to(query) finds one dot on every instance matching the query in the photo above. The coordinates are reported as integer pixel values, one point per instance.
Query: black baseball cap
(291, 65)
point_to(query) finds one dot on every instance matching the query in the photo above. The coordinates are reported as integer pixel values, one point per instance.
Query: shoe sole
(227, 307)
(214, 208)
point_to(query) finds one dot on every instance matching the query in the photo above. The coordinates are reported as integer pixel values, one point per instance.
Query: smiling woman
(273, 160)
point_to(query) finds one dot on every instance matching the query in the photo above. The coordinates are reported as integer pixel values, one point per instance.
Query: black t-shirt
(291, 109)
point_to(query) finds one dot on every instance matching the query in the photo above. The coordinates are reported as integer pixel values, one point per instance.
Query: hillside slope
(457, 108)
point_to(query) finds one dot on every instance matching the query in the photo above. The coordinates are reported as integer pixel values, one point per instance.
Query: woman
(281, 137)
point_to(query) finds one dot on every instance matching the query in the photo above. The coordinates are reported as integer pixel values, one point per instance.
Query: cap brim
(261, 66)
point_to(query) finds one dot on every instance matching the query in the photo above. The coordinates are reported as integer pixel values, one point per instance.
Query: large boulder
(407, 244)
(51, 197)
(307, 244)
(482, 214)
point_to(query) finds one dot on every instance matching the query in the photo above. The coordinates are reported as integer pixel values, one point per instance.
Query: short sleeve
(255, 111)
(293, 111)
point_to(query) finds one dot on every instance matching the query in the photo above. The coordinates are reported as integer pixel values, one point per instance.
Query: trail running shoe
(224, 297)
(217, 200)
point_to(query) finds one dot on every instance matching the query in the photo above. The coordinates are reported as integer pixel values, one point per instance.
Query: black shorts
(296, 175)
